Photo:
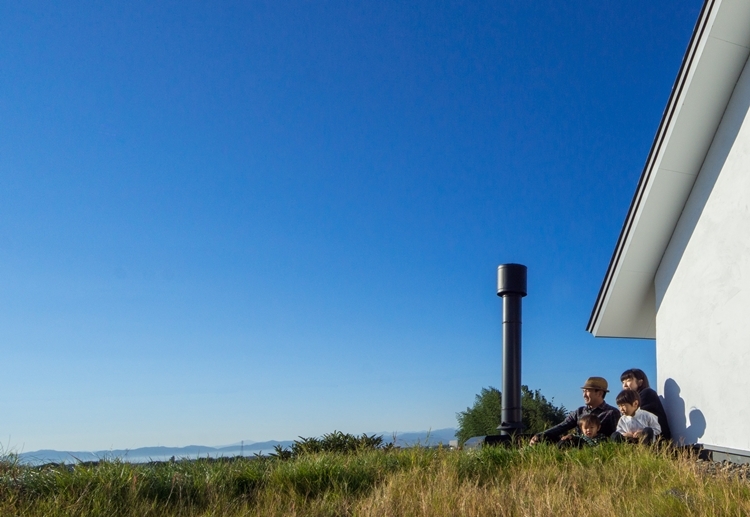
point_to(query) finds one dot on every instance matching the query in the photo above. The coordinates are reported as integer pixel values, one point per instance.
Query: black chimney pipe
(511, 286)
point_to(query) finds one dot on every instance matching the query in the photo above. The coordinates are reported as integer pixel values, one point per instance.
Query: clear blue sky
(259, 220)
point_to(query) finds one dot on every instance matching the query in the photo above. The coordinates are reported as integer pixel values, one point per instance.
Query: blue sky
(261, 220)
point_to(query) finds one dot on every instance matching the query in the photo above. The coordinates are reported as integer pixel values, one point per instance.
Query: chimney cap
(511, 279)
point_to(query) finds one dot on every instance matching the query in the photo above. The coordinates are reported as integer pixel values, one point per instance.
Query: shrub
(483, 418)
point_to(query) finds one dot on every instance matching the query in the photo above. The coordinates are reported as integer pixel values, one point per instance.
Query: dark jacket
(650, 402)
(608, 415)
(592, 442)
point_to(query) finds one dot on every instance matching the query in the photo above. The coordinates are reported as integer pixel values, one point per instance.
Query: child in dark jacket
(589, 433)
(590, 426)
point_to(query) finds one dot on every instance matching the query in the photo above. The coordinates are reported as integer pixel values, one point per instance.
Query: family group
(639, 415)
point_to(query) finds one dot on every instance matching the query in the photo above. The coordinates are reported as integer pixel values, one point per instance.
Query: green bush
(484, 417)
(335, 442)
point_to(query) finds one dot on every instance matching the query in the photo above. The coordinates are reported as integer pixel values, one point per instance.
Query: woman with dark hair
(635, 379)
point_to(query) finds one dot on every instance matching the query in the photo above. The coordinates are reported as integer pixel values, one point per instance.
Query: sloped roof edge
(713, 62)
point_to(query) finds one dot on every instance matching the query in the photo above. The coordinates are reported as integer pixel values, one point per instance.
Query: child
(635, 379)
(590, 426)
(635, 425)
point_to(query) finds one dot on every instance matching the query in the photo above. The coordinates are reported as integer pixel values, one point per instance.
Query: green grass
(606, 481)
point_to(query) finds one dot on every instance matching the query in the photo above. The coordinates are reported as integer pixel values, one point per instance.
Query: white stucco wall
(703, 294)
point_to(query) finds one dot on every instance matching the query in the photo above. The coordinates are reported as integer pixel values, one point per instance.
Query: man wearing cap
(594, 391)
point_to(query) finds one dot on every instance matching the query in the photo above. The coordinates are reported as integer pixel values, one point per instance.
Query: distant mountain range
(248, 448)
(433, 437)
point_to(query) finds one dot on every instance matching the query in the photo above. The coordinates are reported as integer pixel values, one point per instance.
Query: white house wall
(702, 290)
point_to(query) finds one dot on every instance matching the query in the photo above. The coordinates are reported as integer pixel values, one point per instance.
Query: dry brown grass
(634, 482)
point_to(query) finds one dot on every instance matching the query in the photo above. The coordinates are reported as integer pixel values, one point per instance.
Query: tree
(482, 419)
(538, 412)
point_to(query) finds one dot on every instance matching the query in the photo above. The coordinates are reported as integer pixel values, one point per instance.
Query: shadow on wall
(674, 406)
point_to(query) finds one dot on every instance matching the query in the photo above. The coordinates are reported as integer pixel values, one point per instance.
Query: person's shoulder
(607, 412)
(647, 414)
(648, 395)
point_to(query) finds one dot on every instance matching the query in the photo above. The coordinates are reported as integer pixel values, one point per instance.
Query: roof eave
(710, 68)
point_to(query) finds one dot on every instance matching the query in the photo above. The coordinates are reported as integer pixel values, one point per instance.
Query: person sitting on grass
(590, 426)
(594, 391)
(588, 433)
(636, 379)
(635, 425)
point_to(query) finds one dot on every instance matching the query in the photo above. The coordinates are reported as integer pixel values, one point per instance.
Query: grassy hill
(612, 480)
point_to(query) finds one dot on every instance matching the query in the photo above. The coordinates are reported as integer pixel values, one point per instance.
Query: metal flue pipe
(511, 287)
